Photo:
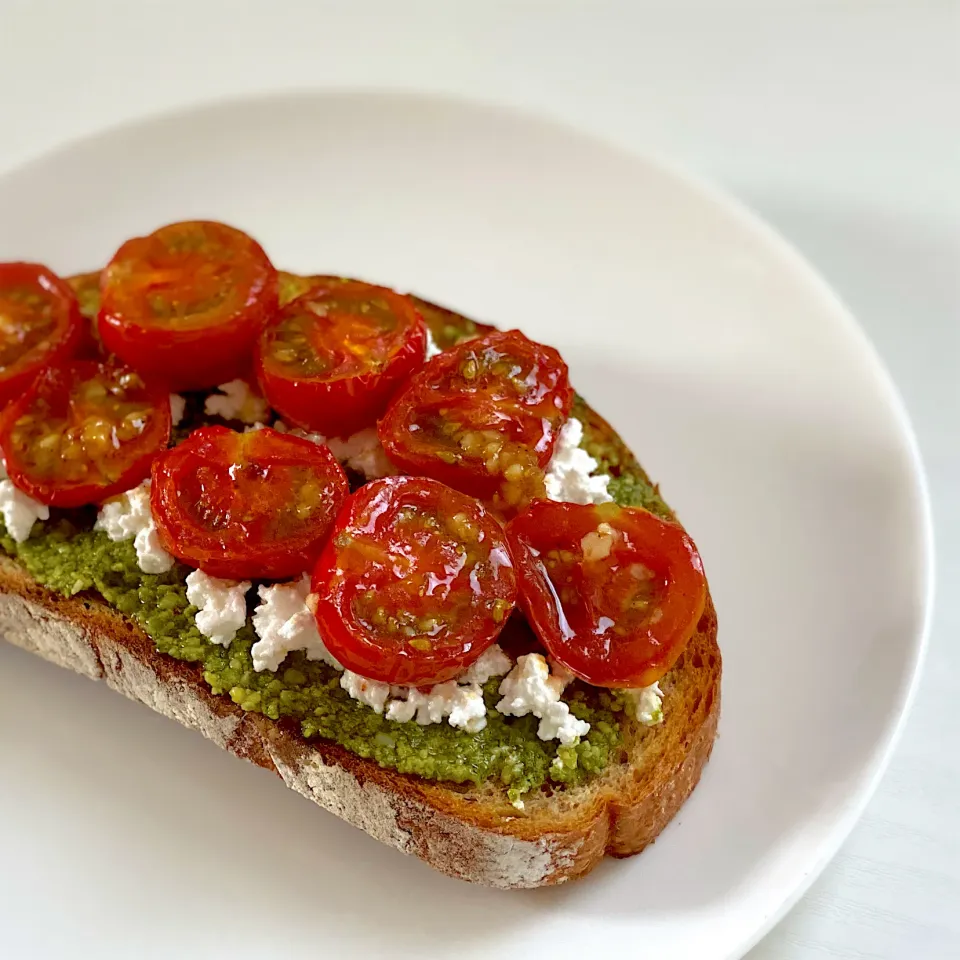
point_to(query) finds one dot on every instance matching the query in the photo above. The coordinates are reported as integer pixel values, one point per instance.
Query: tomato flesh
(40, 324)
(83, 432)
(332, 358)
(186, 303)
(482, 417)
(614, 593)
(415, 582)
(246, 505)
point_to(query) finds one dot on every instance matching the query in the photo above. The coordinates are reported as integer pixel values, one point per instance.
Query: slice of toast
(469, 832)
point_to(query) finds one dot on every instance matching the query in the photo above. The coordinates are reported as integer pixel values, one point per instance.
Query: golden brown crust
(470, 835)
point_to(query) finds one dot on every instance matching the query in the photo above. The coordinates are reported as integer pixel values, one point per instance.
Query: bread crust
(481, 839)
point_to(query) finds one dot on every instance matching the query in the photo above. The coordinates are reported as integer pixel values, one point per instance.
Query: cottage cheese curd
(236, 401)
(178, 406)
(459, 702)
(364, 453)
(221, 605)
(361, 451)
(284, 622)
(646, 704)
(128, 515)
(531, 687)
(570, 476)
(493, 662)
(19, 510)
(371, 692)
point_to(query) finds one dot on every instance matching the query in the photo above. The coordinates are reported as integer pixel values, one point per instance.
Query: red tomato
(332, 359)
(482, 417)
(415, 582)
(84, 432)
(246, 505)
(614, 593)
(186, 303)
(40, 324)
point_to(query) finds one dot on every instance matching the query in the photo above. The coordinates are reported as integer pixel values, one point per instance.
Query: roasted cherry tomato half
(415, 582)
(83, 432)
(614, 593)
(40, 324)
(186, 303)
(332, 359)
(246, 505)
(482, 417)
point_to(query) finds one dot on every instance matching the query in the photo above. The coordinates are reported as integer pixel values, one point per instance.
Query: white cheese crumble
(178, 406)
(373, 693)
(432, 348)
(221, 605)
(531, 688)
(570, 474)
(19, 510)
(128, 515)
(646, 704)
(281, 427)
(284, 622)
(236, 401)
(361, 451)
(461, 706)
(493, 662)
(458, 701)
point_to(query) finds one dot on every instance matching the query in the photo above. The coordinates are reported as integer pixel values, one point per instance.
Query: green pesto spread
(66, 555)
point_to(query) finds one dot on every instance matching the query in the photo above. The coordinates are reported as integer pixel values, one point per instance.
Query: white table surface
(835, 120)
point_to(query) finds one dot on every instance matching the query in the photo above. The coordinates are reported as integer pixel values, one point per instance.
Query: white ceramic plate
(738, 378)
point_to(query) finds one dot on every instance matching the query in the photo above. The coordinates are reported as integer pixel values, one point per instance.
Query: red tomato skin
(342, 406)
(70, 330)
(55, 383)
(670, 551)
(209, 551)
(429, 389)
(334, 592)
(188, 359)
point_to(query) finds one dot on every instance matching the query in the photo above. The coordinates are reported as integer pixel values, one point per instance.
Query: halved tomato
(40, 324)
(83, 432)
(482, 417)
(614, 593)
(415, 582)
(186, 303)
(246, 505)
(332, 359)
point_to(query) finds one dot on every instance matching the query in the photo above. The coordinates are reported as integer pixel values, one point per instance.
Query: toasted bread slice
(469, 832)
